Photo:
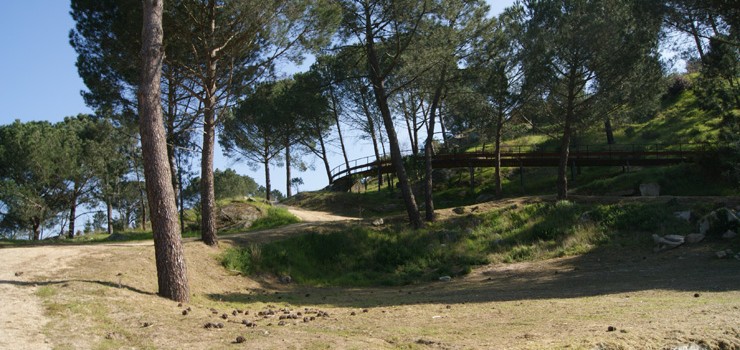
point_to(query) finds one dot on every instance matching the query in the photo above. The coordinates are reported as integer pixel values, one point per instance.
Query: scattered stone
(185, 312)
(352, 313)
(214, 311)
(378, 222)
(650, 190)
(365, 310)
(721, 254)
(240, 339)
(19, 273)
(147, 324)
(225, 316)
(459, 210)
(179, 304)
(611, 329)
(281, 323)
(448, 307)
(685, 215)
(445, 278)
(696, 295)
(286, 279)
(425, 342)
(694, 238)
(730, 234)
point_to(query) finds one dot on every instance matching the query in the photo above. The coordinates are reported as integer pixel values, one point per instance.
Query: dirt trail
(317, 216)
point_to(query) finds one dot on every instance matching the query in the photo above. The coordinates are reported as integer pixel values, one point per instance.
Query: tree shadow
(62, 282)
(601, 272)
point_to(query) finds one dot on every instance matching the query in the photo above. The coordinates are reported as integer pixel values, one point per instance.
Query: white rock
(685, 215)
(729, 234)
(445, 278)
(378, 222)
(721, 254)
(694, 238)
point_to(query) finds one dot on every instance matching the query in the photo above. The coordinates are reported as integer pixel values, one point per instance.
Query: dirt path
(317, 216)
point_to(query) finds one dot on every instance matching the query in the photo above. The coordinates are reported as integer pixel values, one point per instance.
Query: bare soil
(104, 297)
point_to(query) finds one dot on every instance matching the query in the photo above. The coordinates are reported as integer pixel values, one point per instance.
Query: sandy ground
(21, 313)
(104, 297)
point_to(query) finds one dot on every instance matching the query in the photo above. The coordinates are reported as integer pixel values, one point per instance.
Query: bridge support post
(521, 174)
(472, 179)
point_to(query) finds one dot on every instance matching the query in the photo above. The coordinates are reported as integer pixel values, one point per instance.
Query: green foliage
(364, 256)
(358, 256)
(275, 217)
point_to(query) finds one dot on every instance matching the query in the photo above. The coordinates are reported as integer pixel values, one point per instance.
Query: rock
(667, 242)
(445, 278)
(696, 295)
(721, 254)
(286, 279)
(650, 190)
(378, 222)
(240, 339)
(459, 210)
(352, 313)
(485, 198)
(730, 234)
(19, 273)
(685, 215)
(185, 312)
(611, 329)
(117, 237)
(694, 238)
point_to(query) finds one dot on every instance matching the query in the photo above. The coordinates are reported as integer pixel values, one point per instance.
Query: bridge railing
(614, 151)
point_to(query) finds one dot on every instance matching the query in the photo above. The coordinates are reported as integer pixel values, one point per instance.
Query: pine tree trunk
(325, 158)
(339, 128)
(609, 131)
(268, 186)
(73, 210)
(288, 192)
(109, 212)
(429, 150)
(170, 258)
(382, 100)
(497, 152)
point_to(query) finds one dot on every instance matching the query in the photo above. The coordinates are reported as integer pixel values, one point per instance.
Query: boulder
(730, 234)
(650, 190)
(445, 279)
(485, 198)
(684, 215)
(459, 210)
(694, 238)
(667, 242)
(378, 222)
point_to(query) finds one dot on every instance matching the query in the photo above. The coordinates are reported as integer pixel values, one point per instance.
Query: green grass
(362, 256)
(275, 217)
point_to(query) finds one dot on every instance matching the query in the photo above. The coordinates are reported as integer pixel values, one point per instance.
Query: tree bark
(170, 258)
(382, 100)
(268, 186)
(73, 210)
(288, 192)
(373, 137)
(325, 158)
(109, 212)
(562, 183)
(429, 151)
(609, 131)
(339, 128)
(497, 152)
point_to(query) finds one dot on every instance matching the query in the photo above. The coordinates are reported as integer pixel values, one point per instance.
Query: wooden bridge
(535, 156)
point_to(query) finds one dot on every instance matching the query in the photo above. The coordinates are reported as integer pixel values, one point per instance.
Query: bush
(275, 217)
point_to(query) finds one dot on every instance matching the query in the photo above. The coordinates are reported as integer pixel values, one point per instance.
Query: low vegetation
(395, 255)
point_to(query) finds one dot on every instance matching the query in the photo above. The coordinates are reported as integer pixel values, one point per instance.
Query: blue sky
(39, 81)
